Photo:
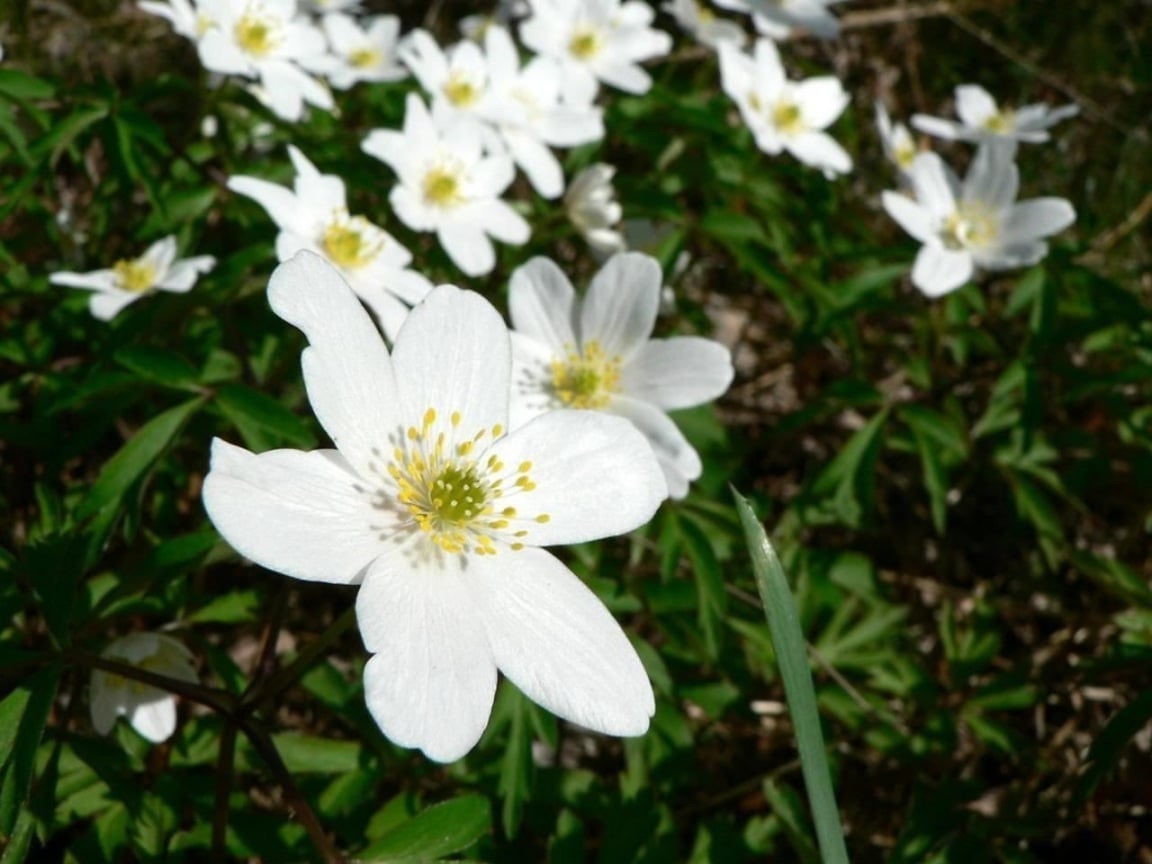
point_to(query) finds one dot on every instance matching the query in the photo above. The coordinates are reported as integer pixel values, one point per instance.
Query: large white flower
(981, 118)
(526, 111)
(314, 216)
(595, 40)
(437, 512)
(783, 114)
(150, 710)
(592, 208)
(449, 186)
(266, 40)
(129, 279)
(977, 224)
(777, 19)
(597, 355)
(366, 53)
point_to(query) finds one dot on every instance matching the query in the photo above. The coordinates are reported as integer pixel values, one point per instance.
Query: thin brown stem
(225, 763)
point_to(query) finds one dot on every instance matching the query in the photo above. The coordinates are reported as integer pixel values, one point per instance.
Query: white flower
(266, 40)
(449, 186)
(457, 80)
(525, 109)
(777, 19)
(981, 118)
(597, 355)
(150, 710)
(438, 513)
(977, 224)
(699, 20)
(363, 53)
(314, 216)
(183, 15)
(595, 40)
(896, 140)
(783, 114)
(327, 7)
(128, 280)
(592, 207)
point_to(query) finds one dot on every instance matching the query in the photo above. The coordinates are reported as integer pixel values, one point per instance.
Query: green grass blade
(788, 640)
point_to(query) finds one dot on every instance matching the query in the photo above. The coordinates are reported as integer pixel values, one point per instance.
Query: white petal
(453, 354)
(432, 679)
(939, 127)
(182, 275)
(97, 280)
(993, 177)
(819, 150)
(500, 221)
(620, 307)
(106, 305)
(938, 271)
(910, 216)
(281, 204)
(626, 76)
(1036, 218)
(974, 105)
(155, 719)
(305, 515)
(678, 373)
(678, 459)
(595, 477)
(468, 247)
(538, 162)
(553, 638)
(349, 378)
(821, 100)
(541, 304)
(935, 184)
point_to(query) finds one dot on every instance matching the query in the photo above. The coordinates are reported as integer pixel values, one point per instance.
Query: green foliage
(960, 489)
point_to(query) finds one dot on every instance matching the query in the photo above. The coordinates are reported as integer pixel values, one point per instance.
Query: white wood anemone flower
(703, 24)
(456, 79)
(779, 19)
(526, 111)
(150, 710)
(438, 513)
(594, 41)
(982, 119)
(363, 53)
(899, 146)
(448, 185)
(129, 279)
(977, 224)
(596, 355)
(313, 215)
(266, 40)
(592, 208)
(783, 114)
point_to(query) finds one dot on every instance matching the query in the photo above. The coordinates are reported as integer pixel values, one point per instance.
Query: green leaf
(261, 420)
(159, 365)
(21, 86)
(845, 489)
(792, 656)
(1108, 747)
(133, 459)
(53, 565)
(40, 691)
(235, 607)
(712, 599)
(443, 829)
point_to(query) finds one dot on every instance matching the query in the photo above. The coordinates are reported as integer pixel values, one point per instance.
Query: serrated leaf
(443, 829)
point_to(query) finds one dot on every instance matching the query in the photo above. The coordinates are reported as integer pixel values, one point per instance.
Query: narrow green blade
(788, 640)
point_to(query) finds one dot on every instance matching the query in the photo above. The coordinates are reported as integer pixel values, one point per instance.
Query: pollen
(365, 58)
(586, 379)
(1000, 122)
(455, 490)
(351, 242)
(256, 35)
(135, 277)
(585, 44)
(460, 91)
(442, 187)
(972, 226)
(787, 118)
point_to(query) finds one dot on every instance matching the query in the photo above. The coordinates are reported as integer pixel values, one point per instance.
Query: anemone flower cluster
(976, 224)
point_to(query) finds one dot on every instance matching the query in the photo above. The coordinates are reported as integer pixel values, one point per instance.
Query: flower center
(588, 379)
(786, 117)
(1001, 122)
(972, 226)
(256, 35)
(904, 153)
(585, 43)
(351, 242)
(460, 91)
(442, 187)
(453, 493)
(364, 58)
(135, 277)
(704, 15)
